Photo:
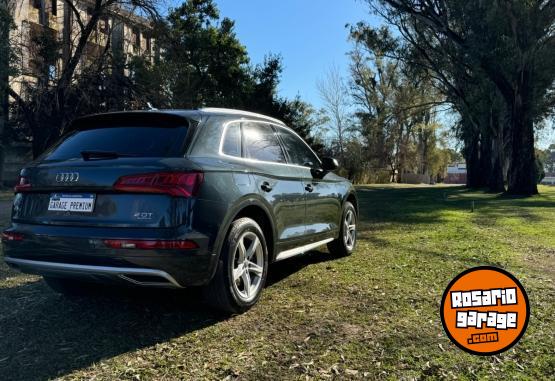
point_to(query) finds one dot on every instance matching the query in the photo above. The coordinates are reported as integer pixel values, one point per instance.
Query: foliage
(396, 108)
(508, 44)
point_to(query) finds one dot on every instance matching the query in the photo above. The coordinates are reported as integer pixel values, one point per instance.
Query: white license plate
(83, 203)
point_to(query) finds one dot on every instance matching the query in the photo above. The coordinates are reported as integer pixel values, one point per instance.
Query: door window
(299, 153)
(261, 143)
(232, 140)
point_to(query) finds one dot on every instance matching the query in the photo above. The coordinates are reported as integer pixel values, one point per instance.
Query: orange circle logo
(485, 310)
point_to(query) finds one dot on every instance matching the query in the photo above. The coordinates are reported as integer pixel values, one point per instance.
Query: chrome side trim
(300, 250)
(245, 159)
(69, 268)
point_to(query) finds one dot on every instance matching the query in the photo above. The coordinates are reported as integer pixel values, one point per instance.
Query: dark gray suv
(174, 199)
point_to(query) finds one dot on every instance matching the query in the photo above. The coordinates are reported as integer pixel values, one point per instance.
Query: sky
(310, 35)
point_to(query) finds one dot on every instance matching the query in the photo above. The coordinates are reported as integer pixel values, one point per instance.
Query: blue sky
(309, 34)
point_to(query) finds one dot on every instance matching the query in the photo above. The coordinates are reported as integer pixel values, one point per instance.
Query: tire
(344, 246)
(234, 290)
(69, 287)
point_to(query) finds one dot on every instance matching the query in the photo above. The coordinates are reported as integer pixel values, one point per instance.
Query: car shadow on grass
(45, 335)
(283, 269)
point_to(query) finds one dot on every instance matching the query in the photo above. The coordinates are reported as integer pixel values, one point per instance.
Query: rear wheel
(346, 243)
(242, 268)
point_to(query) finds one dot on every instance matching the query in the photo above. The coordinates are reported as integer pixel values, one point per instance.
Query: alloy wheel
(248, 266)
(349, 230)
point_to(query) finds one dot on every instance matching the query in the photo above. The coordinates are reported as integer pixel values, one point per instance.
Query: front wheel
(346, 243)
(242, 268)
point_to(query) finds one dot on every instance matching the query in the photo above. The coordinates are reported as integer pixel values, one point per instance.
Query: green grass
(373, 315)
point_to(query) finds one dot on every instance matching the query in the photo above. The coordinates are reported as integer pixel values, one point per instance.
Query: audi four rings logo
(67, 177)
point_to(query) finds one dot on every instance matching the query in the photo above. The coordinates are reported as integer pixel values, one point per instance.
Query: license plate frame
(72, 203)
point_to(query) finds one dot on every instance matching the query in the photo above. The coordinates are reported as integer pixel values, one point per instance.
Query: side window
(232, 140)
(261, 143)
(297, 150)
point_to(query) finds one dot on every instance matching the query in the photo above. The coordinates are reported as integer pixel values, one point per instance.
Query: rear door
(108, 175)
(322, 195)
(279, 183)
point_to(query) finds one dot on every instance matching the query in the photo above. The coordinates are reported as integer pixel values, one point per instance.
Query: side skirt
(301, 250)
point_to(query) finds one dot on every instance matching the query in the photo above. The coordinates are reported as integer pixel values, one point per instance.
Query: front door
(322, 194)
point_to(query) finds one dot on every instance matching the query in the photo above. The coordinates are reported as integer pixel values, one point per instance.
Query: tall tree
(513, 43)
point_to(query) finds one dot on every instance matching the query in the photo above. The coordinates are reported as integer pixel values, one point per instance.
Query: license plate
(83, 203)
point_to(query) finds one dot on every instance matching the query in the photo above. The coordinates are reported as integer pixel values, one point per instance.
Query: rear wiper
(103, 155)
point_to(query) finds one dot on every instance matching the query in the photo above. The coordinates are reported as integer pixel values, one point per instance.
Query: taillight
(151, 244)
(179, 184)
(11, 236)
(23, 184)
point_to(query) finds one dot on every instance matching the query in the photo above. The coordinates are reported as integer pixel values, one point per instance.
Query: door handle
(309, 188)
(266, 187)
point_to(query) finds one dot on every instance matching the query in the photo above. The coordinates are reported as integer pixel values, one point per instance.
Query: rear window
(142, 141)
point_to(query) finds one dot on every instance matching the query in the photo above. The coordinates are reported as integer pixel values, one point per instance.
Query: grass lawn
(373, 315)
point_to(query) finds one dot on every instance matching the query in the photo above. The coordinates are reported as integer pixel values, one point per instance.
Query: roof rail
(240, 112)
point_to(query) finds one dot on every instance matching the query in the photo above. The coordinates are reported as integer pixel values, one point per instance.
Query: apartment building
(129, 34)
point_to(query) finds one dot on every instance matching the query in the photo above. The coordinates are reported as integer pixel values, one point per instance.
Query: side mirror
(329, 164)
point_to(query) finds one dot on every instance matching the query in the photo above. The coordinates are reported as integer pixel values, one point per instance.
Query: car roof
(170, 114)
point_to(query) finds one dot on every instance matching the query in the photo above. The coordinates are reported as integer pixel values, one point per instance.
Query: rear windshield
(142, 141)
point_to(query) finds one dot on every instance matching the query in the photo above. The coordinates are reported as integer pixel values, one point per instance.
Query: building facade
(119, 30)
(456, 174)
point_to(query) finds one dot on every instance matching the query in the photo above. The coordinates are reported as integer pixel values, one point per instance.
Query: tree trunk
(496, 182)
(522, 176)
(472, 157)
(4, 69)
(485, 161)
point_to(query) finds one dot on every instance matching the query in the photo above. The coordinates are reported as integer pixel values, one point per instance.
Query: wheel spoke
(255, 269)
(238, 272)
(352, 228)
(242, 250)
(252, 249)
(247, 283)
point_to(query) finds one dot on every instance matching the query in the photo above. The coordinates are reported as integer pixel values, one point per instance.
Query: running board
(301, 250)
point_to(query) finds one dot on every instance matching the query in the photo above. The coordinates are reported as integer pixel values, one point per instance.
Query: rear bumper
(139, 276)
(75, 252)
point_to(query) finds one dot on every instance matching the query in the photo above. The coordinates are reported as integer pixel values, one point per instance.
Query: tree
(393, 101)
(48, 106)
(335, 97)
(512, 42)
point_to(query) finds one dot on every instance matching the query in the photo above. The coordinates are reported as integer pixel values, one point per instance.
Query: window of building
(104, 25)
(136, 39)
(55, 7)
(37, 4)
(261, 143)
